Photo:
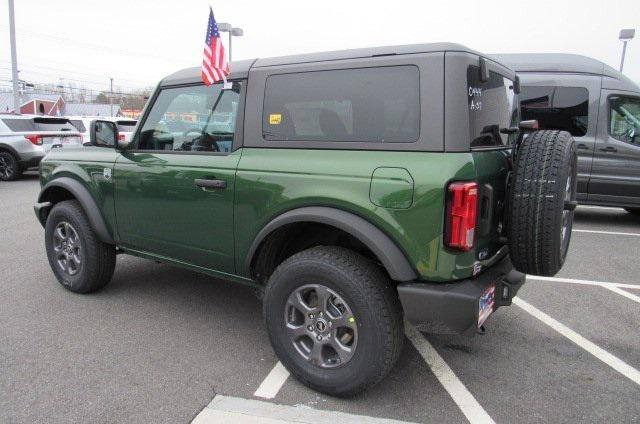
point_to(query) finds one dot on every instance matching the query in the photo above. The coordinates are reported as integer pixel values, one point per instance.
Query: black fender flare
(82, 195)
(385, 249)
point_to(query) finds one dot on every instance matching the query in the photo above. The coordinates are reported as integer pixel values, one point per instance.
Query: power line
(91, 46)
(93, 82)
(62, 90)
(68, 71)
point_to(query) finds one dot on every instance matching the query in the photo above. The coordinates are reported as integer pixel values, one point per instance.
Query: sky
(138, 42)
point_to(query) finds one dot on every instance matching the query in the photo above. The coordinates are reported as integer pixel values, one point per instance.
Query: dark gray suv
(600, 107)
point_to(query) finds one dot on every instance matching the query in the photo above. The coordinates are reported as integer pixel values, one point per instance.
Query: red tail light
(120, 137)
(462, 212)
(35, 139)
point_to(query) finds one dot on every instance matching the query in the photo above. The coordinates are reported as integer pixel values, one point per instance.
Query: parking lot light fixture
(625, 36)
(233, 32)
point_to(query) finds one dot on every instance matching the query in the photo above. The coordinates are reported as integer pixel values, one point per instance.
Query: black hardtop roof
(562, 63)
(241, 68)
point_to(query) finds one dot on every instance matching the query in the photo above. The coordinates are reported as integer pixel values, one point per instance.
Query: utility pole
(14, 59)
(111, 97)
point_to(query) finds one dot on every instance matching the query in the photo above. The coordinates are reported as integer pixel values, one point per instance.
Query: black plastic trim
(452, 308)
(392, 258)
(89, 206)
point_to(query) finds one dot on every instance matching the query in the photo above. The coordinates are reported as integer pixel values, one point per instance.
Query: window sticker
(275, 118)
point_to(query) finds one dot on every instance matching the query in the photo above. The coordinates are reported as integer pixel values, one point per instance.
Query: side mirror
(103, 134)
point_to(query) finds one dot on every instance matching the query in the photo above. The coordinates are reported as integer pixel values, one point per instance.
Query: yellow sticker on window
(275, 118)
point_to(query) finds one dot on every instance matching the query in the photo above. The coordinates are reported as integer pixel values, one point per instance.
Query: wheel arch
(380, 244)
(66, 188)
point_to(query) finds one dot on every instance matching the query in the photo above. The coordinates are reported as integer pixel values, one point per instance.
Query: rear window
(557, 108)
(492, 107)
(19, 125)
(78, 124)
(53, 124)
(126, 126)
(351, 105)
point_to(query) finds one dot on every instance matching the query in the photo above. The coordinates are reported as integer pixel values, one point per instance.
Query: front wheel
(334, 320)
(79, 260)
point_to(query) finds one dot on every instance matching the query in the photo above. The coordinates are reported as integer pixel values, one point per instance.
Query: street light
(233, 32)
(625, 35)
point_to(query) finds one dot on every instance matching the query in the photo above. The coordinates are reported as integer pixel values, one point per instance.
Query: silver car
(25, 140)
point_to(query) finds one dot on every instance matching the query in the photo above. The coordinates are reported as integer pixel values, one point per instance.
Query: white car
(26, 139)
(83, 123)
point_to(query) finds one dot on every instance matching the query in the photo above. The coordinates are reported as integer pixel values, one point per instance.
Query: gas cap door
(391, 188)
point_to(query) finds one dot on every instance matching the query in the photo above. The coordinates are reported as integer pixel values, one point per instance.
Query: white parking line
(623, 293)
(226, 409)
(271, 385)
(615, 233)
(451, 383)
(609, 359)
(584, 282)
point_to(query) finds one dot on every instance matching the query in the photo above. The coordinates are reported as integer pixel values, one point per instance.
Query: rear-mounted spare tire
(542, 199)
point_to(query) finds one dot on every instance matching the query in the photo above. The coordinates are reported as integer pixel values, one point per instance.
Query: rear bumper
(454, 308)
(32, 161)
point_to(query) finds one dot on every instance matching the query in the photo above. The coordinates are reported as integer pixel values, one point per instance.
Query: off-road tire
(373, 301)
(10, 168)
(538, 202)
(98, 259)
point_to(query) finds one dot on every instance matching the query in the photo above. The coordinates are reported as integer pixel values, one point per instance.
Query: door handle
(581, 146)
(205, 183)
(608, 149)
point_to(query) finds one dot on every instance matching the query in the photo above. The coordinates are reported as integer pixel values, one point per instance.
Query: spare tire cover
(542, 198)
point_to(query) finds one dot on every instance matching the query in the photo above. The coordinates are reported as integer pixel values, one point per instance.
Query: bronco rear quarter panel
(270, 182)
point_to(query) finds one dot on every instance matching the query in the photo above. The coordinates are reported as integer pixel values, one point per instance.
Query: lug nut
(319, 338)
(311, 316)
(310, 328)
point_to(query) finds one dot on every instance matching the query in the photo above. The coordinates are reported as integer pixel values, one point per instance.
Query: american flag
(214, 64)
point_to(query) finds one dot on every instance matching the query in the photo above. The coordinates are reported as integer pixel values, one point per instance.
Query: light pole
(14, 59)
(625, 35)
(111, 96)
(233, 32)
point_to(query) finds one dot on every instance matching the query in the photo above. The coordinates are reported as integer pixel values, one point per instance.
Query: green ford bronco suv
(354, 189)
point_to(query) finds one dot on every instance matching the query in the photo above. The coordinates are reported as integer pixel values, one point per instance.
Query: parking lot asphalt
(159, 343)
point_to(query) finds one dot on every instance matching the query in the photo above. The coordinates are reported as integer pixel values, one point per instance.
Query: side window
(492, 107)
(351, 105)
(192, 118)
(625, 119)
(557, 108)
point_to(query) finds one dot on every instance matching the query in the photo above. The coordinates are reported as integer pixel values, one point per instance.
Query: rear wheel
(334, 320)
(9, 166)
(79, 260)
(542, 201)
